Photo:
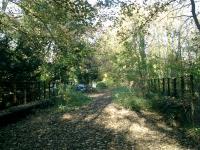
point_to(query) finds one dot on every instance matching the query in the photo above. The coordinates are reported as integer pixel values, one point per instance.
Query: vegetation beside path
(172, 112)
(95, 122)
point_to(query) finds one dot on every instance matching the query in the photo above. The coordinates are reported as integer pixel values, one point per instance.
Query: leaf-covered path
(100, 125)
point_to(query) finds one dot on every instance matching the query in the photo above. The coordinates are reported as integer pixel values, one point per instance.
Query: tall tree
(195, 15)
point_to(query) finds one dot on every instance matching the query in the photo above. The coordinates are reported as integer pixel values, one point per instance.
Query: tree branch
(4, 5)
(194, 15)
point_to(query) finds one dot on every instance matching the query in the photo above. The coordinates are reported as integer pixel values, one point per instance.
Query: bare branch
(176, 9)
(195, 15)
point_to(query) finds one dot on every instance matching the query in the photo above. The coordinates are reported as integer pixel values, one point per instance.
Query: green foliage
(69, 99)
(194, 133)
(57, 49)
(87, 71)
(172, 109)
(19, 61)
(127, 98)
(101, 85)
(110, 82)
(175, 112)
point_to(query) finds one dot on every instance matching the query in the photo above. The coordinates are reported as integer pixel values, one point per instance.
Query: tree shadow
(54, 132)
(73, 130)
(174, 133)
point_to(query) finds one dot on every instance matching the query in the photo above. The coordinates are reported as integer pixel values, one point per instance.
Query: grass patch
(194, 133)
(101, 86)
(127, 98)
(176, 112)
(69, 99)
(170, 108)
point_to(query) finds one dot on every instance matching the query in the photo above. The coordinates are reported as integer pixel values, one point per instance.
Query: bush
(101, 85)
(194, 133)
(176, 112)
(172, 109)
(126, 97)
(71, 99)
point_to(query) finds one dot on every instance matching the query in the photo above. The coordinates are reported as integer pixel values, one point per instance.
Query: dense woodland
(79, 41)
(151, 46)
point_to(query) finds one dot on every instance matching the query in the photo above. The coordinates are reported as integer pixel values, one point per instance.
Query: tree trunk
(194, 15)
(4, 5)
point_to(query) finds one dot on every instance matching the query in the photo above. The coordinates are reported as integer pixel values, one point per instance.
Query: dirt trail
(101, 125)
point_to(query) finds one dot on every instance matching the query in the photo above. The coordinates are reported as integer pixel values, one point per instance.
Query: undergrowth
(176, 112)
(101, 86)
(127, 97)
(69, 99)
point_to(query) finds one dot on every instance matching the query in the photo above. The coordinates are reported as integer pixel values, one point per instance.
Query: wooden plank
(15, 113)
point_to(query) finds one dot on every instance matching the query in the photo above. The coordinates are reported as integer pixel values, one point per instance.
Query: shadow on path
(100, 125)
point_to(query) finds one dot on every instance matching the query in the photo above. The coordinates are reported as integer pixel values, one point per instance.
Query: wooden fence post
(158, 85)
(192, 85)
(150, 87)
(44, 90)
(14, 93)
(155, 85)
(175, 89)
(30, 90)
(39, 90)
(53, 92)
(168, 86)
(49, 89)
(25, 93)
(182, 86)
(163, 83)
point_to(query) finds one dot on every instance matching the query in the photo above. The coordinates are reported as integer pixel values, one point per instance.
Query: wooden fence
(17, 92)
(176, 87)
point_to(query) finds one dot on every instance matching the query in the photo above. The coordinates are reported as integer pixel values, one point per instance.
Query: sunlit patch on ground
(99, 125)
(96, 95)
(66, 117)
(139, 130)
(89, 117)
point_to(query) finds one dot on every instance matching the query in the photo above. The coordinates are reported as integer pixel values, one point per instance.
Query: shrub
(194, 133)
(126, 97)
(176, 112)
(101, 85)
(70, 99)
(172, 109)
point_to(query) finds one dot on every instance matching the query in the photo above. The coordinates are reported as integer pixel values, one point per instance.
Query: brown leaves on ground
(100, 125)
